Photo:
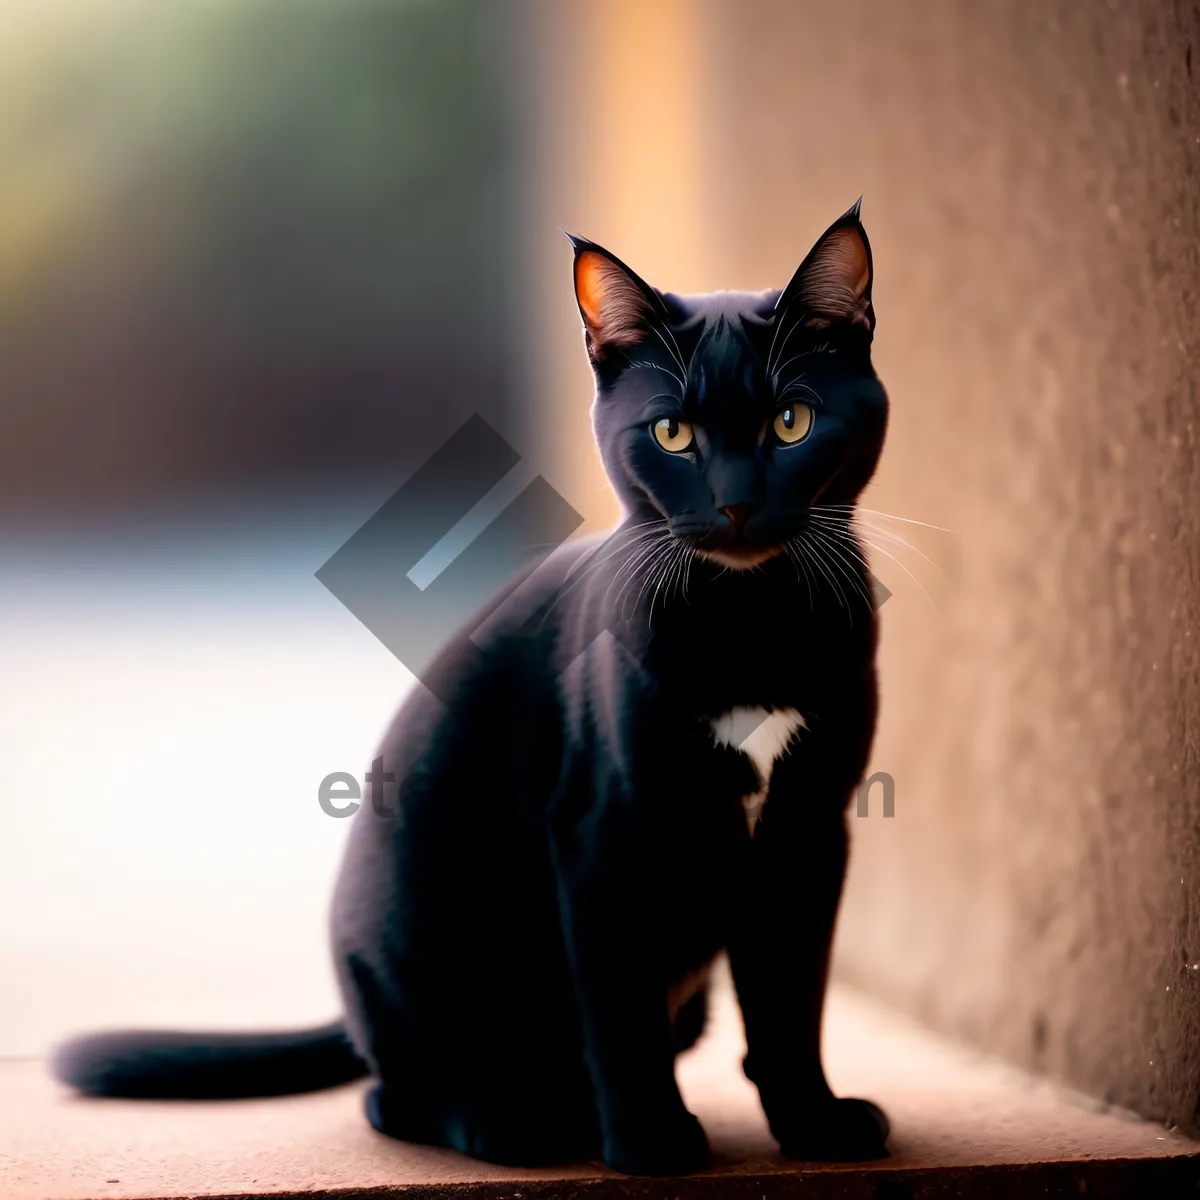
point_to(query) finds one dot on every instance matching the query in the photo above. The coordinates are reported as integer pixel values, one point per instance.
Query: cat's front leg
(779, 952)
(612, 915)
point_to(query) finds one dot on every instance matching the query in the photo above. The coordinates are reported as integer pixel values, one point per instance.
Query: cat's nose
(739, 514)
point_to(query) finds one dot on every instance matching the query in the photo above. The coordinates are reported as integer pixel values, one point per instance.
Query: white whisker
(866, 527)
(636, 564)
(782, 348)
(799, 564)
(846, 566)
(629, 546)
(874, 512)
(819, 563)
(881, 550)
(896, 540)
(658, 367)
(673, 350)
(779, 371)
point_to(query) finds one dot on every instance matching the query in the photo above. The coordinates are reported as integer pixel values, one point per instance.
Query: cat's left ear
(619, 309)
(832, 286)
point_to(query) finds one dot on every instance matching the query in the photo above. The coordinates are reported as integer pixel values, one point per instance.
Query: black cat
(649, 762)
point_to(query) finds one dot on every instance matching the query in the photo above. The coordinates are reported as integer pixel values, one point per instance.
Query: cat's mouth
(731, 548)
(740, 556)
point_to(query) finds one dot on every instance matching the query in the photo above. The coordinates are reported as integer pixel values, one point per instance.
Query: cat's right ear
(619, 310)
(832, 286)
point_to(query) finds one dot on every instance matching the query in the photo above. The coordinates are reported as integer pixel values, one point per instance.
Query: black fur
(567, 839)
(208, 1066)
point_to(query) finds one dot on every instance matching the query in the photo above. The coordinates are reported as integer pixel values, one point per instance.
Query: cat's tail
(207, 1066)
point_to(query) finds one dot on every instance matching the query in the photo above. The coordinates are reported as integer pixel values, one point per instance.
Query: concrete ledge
(961, 1126)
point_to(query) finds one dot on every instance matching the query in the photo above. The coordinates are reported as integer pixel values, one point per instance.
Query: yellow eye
(672, 434)
(793, 423)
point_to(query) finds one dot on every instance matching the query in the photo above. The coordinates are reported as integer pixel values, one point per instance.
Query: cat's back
(479, 729)
(445, 849)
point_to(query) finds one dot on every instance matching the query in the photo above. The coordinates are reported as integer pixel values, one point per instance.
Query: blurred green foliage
(222, 221)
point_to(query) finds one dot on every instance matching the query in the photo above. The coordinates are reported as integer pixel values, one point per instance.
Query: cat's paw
(835, 1131)
(674, 1147)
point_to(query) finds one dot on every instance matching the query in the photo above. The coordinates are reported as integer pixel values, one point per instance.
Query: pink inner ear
(835, 282)
(613, 306)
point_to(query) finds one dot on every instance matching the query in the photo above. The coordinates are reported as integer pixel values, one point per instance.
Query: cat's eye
(793, 423)
(672, 434)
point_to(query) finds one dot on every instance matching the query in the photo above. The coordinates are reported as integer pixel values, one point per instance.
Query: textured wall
(1032, 180)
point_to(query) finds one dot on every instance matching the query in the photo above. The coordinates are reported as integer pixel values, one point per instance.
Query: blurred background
(260, 258)
(257, 262)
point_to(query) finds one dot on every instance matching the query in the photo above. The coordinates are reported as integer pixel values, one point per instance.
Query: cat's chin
(741, 558)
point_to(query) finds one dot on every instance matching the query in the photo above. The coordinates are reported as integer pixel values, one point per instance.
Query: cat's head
(730, 415)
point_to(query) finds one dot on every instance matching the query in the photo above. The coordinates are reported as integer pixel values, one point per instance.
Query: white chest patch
(763, 736)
